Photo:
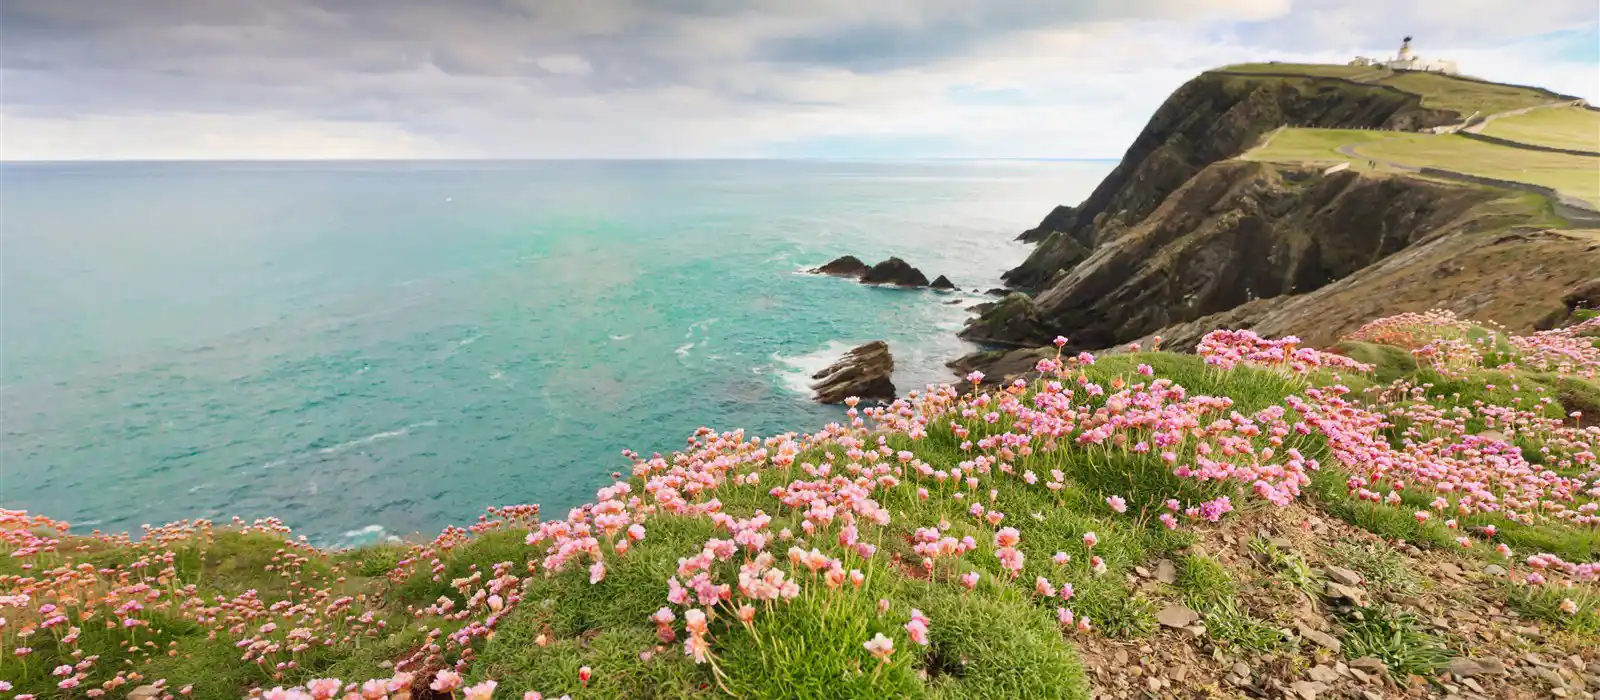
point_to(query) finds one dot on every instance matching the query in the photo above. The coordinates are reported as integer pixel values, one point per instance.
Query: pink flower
(918, 631)
(584, 672)
(446, 681)
(324, 688)
(481, 691)
(374, 689)
(597, 572)
(1568, 606)
(1422, 516)
(1170, 522)
(1117, 504)
(975, 377)
(880, 646)
(533, 695)
(1061, 558)
(1007, 537)
(1090, 540)
(1064, 616)
(970, 580)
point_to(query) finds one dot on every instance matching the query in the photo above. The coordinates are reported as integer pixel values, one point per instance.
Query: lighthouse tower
(1405, 51)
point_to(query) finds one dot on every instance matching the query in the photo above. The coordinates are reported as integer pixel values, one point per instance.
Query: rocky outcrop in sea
(864, 372)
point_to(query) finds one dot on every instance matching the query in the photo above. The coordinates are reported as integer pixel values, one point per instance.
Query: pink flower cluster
(1227, 349)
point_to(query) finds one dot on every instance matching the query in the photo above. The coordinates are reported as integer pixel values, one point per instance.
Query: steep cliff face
(1236, 232)
(1212, 117)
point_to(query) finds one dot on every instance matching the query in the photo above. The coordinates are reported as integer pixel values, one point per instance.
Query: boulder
(864, 372)
(942, 282)
(843, 266)
(897, 272)
(1584, 295)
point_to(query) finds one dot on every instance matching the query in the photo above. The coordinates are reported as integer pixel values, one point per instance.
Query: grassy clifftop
(1414, 516)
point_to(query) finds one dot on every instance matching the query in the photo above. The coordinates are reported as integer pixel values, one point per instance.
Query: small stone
(1142, 572)
(1176, 616)
(1559, 692)
(1345, 576)
(1341, 591)
(1360, 675)
(1241, 669)
(1166, 571)
(144, 692)
(1322, 639)
(1322, 674)
(1370, 695)
(1153, 684)
(1463, 667)
(1472, 684)
(1370, 664)
(1196, 631)
(1306, 690)
(1122, 657)
(1282, 542)
(1494, 570)
(1549, 676)
(1449, 568)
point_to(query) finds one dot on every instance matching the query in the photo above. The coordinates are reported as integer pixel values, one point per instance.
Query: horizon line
(72, 161)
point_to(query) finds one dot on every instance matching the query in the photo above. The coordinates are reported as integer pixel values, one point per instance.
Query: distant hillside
(1363, 179)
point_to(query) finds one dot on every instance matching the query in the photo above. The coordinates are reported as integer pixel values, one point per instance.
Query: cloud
(687, 78)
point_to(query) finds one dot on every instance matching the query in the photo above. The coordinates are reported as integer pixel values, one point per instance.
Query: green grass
(1204, 581)
(1394, 636)
(1568, 174)
(1465, 97)
(1544, 603)
(1385, 570)
(1559, 127)
(1308, 69)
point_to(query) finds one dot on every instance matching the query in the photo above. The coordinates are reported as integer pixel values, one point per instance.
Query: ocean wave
(683, 350)
(795, 371)
(385, 435)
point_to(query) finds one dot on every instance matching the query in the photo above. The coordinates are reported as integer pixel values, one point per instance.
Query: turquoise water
(366, 349)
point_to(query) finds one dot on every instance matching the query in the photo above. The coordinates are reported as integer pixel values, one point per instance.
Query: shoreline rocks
(864, 372)
(896, 272)
(893, 271)
(843, 266)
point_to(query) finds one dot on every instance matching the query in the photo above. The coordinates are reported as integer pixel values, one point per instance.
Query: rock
(1166, 571)
(953, 302)
(897, 272)
(1322, 639)
(1241, 669)
(1494, 570)
(1370, 695)
(1370, 664)
(1142, 572)
(145, 692)
(1308, 690)
(1345, 576)
(1000, 366)
(1339, 591)
(998, 292)
(864, 372)
(1176, 616)
(843, 266)
(1011, 321)
(1061, 218)
(1153, 684)
(1196, 631)
(1322, 674)
(942, 282)
(1584, 295)
(1465, 667)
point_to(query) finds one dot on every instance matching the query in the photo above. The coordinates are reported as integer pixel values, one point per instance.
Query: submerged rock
(942, 282)
(864, 372)
(897, 272)
(843, 266)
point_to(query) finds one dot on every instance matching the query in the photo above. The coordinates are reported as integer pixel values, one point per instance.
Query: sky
(289, 79)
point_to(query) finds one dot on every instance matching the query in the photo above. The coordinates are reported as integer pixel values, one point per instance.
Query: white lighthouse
(1405, 59)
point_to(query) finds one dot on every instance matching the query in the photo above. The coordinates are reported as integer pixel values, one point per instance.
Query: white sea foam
(683, 350)
(622, 337)
(385, 435)
(795, 371)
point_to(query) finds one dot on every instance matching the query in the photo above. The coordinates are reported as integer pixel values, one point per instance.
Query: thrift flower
(880, 646)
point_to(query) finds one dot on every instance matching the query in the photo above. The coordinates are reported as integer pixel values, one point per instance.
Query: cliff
(1183, 237)
(1212, 117)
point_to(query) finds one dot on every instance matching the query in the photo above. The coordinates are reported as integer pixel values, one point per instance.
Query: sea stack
(897, 272)
(843, 266)
(864, 372)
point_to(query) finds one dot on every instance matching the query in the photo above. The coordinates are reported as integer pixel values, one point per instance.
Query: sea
(373, 350)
